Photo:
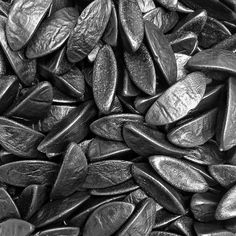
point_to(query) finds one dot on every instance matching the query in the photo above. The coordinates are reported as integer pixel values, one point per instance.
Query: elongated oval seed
(131, 22)
(177, 101)
(196, 131)
(179, 174)
(104, 79)
(226, 208)
(108, 218)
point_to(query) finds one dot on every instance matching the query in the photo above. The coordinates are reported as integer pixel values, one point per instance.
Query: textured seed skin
(147, 141)
(194, 22)
(9, 86)
(226, 207)
(196, 131)
(19, 139)
(214, 8)
(163, 19)
(40, 45)
(149, 181)
(105, 79)
(225, 136)
(31, 200)
(73, 171)
(145, 77)
(213, 32)
(169, 4)
(117, 118)
(67, 231)
(203, 206)
(25, 69)
(75, 124)
(23, 19)
(58, 210)
(110, 127)
(107, 174)
(108, 218)
(12, 226)
(131, 21)
(212, 59)
(101, 149)
(142, 221)
(39, 97)
(178, 100)
(89, 29)
(110, 35)
(161, 52)
(24, 173)
(172, 169)
(225, 174)
(7, 206)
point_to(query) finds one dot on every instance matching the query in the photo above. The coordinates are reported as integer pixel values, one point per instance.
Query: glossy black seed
(12, 227)
(183, 225)
(146, 6)
(213, 32)
(83, 212)
(161, 52)
(131, 22)
(58, 210)
(104, 79)
(136, 196)
(108, 218)
(142, 221)
(107, 173)
(65, 231)
(58, 26)
(110, 127)
(34, 104)
(73, 172)
(178, 100)
(101, 149)
(169, 4)
(214, 8)
(122, 188)
(179, 174)
(225, 175)
(164, 218)
(163, 19)
(19, 139)
(24, 173)
(194, 22)
(225, 135)
(23, 20)
(147, 141)
(228, 44)
(9, 87)
(156, 188)
(31, 200)
(213, 60)
(203, 206)
(207, 154)
(196, 131)
(143, 103)
(110, 35)
(216, 229)
(90, 27)
(54, 116)
(75, 124)
(145, 77)
(184, 42)
(25, 69)
(8, 208)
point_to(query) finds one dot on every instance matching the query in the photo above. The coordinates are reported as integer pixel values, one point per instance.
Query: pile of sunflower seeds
(117, 118)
